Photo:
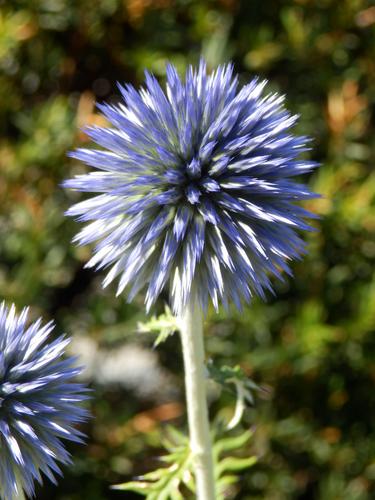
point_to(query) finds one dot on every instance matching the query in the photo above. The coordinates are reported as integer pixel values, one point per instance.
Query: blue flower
(194, 189)
(39, 404)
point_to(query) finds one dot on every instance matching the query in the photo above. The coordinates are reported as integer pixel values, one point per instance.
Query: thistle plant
(194, 194)
(39, 403)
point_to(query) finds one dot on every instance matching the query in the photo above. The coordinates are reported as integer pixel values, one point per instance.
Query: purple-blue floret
(40, 404)
(194, 189)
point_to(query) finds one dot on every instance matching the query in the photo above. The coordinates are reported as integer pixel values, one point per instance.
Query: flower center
(197, 183)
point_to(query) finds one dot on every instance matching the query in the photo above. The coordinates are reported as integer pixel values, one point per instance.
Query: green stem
(191, 326)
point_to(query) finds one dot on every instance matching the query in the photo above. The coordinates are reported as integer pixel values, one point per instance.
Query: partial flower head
(194, 188)
(39, 403)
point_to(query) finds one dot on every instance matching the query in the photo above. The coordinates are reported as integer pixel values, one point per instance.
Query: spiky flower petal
(39, 403)
(194, 188)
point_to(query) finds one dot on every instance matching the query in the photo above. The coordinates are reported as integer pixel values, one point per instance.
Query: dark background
(312, 345)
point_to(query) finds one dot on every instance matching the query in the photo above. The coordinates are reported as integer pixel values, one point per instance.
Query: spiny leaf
(225, 481)
(136, 486)
(226, 464)
(225, 375)
(163, 325)
(165, 483)
(177, 438)
(231, 443)
(176, 480)
(234, 379)
(234, 464)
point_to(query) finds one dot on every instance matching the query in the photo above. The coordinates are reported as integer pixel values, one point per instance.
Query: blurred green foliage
(313, 344)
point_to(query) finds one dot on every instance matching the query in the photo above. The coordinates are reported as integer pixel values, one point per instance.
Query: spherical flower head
(194, 189)
(39, 403)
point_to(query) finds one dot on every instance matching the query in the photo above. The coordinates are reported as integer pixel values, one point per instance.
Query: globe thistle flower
(39, 404)
(194, 189)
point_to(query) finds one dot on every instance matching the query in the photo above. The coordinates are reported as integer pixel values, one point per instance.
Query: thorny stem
(191, 327)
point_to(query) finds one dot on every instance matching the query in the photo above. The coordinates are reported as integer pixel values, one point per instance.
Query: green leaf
(165, 483)
(234, 464)
(226, 464)
(176, 480)
(163, 326)
(234, 379)
(231, 443)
